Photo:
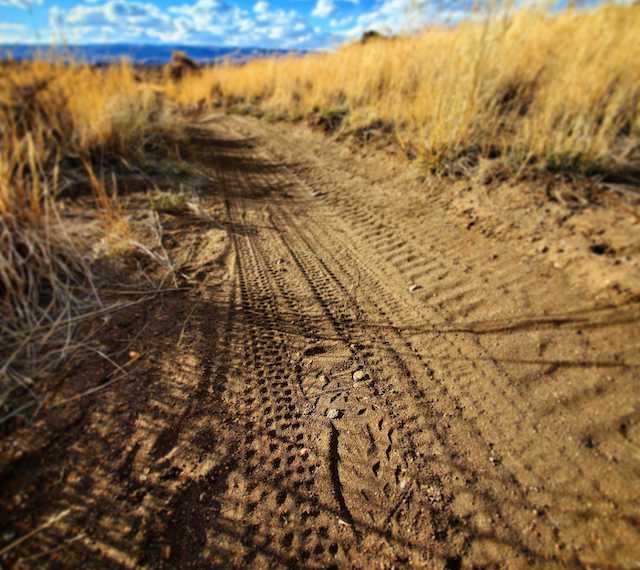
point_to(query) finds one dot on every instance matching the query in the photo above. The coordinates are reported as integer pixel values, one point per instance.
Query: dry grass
(557, 92)
(59, 126)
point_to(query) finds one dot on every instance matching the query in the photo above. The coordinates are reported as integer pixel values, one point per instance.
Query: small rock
(166, 552)
(202, 497)
(304, 452)
(414, 287)
(359, 375)
(434, 494)
(333, 414)
(600, 248)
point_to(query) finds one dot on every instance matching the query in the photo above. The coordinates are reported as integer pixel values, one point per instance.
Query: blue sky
(263, 23)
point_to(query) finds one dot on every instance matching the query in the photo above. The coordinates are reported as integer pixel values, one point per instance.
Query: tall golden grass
(558, 91)
(56, 121)
(53, 112)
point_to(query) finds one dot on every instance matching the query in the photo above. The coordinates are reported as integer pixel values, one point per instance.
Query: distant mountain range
(140, 54)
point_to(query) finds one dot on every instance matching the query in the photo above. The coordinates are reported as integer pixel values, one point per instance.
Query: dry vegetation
(555, 92)
(528, 92)
(62, 127)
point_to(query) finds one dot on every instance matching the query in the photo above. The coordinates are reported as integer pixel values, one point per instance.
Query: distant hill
(140, 54)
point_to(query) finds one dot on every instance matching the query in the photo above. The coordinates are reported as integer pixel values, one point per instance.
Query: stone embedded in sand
(359, 375)
(495, 459)
(333, 413)
(414, 287)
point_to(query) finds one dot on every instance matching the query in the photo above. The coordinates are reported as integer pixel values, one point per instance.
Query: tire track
(499, 460)
(376, 426)
(320, 284)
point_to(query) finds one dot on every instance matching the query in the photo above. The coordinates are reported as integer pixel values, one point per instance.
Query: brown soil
(368, 369)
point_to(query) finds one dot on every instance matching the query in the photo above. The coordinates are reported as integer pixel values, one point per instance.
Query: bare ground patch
(355, 366)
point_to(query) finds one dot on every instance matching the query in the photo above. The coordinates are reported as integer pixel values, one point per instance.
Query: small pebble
(414, 287)
(359, 375)
(333, 414)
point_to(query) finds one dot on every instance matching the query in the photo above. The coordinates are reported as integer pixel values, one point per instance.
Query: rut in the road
(375, 481)
(418, 463)
(320, 487)
(343, 384)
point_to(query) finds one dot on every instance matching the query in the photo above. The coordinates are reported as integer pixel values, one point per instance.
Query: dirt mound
(181, 65)
(372, 36)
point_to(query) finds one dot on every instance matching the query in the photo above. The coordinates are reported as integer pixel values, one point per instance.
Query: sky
(288, 24)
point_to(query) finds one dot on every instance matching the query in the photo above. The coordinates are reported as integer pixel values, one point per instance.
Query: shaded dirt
(368, 369)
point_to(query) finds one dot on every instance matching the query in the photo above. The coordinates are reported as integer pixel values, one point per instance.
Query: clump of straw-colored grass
(556, 91)
(56, 122)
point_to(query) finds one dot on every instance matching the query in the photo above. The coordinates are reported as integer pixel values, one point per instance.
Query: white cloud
(323, 8)
(391, 17)
(261, 7)
(114, 20)
(56, 17)
(276, 33)
(341, 22)
(113, 14)
(407, 16)
(204, 22)
(22, 4)
(301, 40)
(10, 32)
(214, 16)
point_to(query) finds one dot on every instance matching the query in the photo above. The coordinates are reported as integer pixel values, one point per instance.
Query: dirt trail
(364, 382)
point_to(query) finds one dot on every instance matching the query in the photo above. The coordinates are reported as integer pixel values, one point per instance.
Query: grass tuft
(60, 125)
(535, 90)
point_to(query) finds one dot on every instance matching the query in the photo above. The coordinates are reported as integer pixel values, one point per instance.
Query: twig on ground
(184, 324)
(53, 520)
(54, 550)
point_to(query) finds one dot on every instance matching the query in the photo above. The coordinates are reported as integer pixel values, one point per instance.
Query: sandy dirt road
(361, 380)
